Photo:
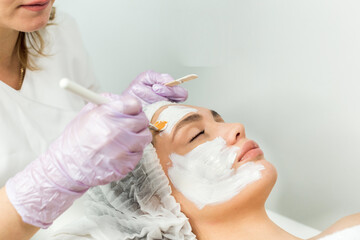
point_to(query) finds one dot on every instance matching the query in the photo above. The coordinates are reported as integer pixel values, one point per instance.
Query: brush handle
(88, 95)
(83, 92)
(181, 80)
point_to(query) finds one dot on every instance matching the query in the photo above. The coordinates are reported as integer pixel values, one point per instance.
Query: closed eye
(197, 135)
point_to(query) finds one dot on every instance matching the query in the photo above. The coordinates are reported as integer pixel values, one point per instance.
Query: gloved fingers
(133, 142)
(125, 104)
(150, 78)
(175, 93)
(96, 130)
(157, 82)
(118, 165)
(88, 107)
(109, 169)
(163, 78)
(150, 87)
(111, 96)
(114, 162)
(147, 94)
(130, 123)
(119, 130)
(126, 163)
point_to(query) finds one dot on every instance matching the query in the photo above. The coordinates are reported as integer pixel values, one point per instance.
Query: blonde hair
(35, 48)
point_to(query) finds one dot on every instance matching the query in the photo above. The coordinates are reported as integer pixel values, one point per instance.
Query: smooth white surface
(351, 233)
(290, 225)
(287, 69)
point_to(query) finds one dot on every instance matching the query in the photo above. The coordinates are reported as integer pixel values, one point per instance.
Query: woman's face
(198, 127)
(24, 15)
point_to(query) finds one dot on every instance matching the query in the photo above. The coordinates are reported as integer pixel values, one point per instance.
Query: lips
(249, 151)
(36, 5)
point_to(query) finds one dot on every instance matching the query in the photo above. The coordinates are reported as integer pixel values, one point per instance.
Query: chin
(34, 25)
(29, 21)
(252, 197)
(255, 194)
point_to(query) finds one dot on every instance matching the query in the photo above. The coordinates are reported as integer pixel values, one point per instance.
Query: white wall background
(289, 70)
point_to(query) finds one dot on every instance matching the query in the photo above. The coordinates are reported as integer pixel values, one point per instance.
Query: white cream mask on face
(205, 175)
(172, 115)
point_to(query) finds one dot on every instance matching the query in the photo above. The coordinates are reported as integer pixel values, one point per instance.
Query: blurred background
(288, 70)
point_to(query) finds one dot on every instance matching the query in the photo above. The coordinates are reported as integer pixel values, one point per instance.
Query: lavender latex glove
(102, 144)
(149, 88)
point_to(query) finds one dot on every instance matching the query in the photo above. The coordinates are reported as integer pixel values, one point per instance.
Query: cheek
(163, 152)
(205, 176)
(251, 198)
(6, 5)
(23, 20)
(257, 193)
(253, 195)
(269, 173)
(6, 12)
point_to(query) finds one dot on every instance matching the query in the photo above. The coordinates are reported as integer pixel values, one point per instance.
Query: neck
(255, 225)
(9, 61)
(8, 38)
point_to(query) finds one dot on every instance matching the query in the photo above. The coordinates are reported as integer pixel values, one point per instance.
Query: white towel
(352, 233)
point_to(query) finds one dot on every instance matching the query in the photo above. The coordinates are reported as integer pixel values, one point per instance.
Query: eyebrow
(194, 118)
(215, 115)
(189, 119)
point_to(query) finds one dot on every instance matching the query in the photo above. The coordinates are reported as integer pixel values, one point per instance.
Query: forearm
(12, 226)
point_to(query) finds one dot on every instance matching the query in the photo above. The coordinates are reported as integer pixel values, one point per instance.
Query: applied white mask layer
(172, 115)
(205, 175)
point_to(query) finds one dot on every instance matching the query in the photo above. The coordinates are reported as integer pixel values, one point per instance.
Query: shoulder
(343, 223)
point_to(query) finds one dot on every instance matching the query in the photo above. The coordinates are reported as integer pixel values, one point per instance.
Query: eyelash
(202, 132)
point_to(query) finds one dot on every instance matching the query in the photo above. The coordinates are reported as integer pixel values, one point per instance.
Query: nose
(233, 133)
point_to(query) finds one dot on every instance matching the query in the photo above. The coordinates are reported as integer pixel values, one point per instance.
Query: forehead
(200, 110)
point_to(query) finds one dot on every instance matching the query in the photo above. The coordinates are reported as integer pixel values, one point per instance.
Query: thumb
(125, 103)
(132, 106)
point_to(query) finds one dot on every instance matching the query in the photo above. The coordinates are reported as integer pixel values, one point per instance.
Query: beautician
(51, 153)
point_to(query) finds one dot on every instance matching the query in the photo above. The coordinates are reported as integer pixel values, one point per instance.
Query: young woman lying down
(201, 178)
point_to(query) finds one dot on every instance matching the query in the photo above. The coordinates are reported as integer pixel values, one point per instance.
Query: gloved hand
(149, 88)
(102, 144)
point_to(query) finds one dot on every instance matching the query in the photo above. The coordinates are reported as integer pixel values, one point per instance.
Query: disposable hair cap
(140, 206)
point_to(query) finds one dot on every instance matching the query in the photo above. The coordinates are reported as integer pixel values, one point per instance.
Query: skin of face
(15, 17)
(250, 200)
